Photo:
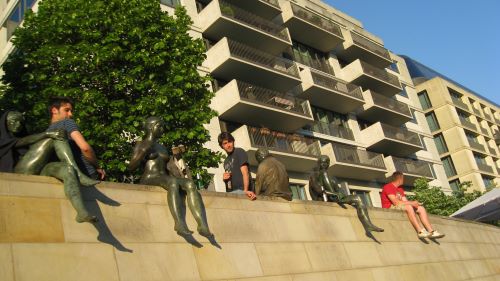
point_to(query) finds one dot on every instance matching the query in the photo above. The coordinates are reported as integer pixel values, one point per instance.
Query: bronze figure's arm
(31, 139)
(139, 154)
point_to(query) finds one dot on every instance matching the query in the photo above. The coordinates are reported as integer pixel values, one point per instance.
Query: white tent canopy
(484, 208)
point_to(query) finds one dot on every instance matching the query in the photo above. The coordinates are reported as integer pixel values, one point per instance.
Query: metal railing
(460, 103)
(483, 130)
(413, 167)
(316, 20)
(390, 104)
(381, 74)
(467, 123)
(273, 98)
(369, 45)
(254, 20)
(492, 150)
(476, 145)
(484, 167)
(331, 130)
(488, 117)
(476, 111)
(401, 134)
(288, 143)
(337, 85)
(348, 154)
(264, 59)
(272, 3)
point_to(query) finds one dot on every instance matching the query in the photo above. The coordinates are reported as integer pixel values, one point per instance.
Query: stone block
(157, 261)
(358, 253)
(75, 261)
(387, 274)
(267, 278)
(355, 275)
(314, 276)
(325, 256)
(24, 219)
(6, 265)
(283, 258)
(478, 268)
(332, 228)
(30, 186)
(139, 194)
(232, 260)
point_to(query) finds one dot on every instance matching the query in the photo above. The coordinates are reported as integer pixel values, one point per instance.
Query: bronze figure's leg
(36, 158)
(65, 154)
(68, 175)
(362, 213)
(196, 206)
(175, 204)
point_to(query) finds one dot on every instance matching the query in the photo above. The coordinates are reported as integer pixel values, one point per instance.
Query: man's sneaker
(423, 234)
(436, 234)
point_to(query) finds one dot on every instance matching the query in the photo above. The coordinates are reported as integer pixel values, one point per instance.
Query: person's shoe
(436, 234)
(423, 234)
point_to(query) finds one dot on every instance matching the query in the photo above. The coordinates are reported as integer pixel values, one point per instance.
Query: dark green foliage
(438, 203)
(122, 61)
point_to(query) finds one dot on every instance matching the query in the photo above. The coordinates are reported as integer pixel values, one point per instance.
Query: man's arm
(246, 182)
(395, 201)
(87, 152)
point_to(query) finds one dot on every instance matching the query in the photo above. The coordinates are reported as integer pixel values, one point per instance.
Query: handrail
(337, 85)
(331, 130)
(401, 134)
(381, 74)
(369, 45)
(348, 154)
(288, 143)
(414, 167)
(391, 104)
(316, 20)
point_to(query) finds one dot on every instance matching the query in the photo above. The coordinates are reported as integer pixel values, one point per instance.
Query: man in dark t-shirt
(236, 175)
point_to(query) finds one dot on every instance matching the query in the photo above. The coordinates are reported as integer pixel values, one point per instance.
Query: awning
(484, 208)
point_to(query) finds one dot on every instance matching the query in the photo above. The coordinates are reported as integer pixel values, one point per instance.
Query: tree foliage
(122, 61)
(437, 202)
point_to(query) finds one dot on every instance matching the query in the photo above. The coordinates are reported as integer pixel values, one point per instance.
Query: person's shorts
(401, 207)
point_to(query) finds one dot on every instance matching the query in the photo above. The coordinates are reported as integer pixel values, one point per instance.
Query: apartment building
(304, 79)
(464, 125)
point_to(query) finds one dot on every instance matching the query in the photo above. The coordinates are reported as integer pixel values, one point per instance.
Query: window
(171, 3)
(16, 16)
(364, 195)
(311, 57)
(330, 123)
(298, 191)
(455, 185)
(488, 182)
(440, 144)
(449, 168)
(394, 67)
(432, 121)
(424, 100)
(413, 116)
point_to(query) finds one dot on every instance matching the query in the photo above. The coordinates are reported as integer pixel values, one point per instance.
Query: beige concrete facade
(465, 128)
(303, 78)
(262, 240)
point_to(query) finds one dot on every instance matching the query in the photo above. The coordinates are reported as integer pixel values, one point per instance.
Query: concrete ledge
(267, 239)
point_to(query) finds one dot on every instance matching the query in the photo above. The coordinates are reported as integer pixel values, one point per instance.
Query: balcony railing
(273, 98)
(391, 104)
(401, 134)
(272, 3)
(331, 130)
(316, 20)
(488, 117)
(492, 150)
(467, 123)
(476, 111)
(484, 167)
(245, 17)
(337, 85)
(414, 167)
(476, 145)
(369, 45)
(264, 59)
(458, 102)
(352, 155)
(288, 143)
(483, 130)
(380, 74)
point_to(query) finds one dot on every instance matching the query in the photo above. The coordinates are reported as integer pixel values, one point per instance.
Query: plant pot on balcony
(265, 131)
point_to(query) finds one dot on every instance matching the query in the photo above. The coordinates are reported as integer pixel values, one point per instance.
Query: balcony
(297, 153)
(458, 102)
(244, 103)
(221, 19)
(351, 162)
(391, 140)
(476, 111)
(488, 117)
(496, 135)
(311, 29)
(357, 46)
(330, 129)
(411, 169)
(232, 60)
(467, 124)
(484, 130)
(476, 145)
(329, 92)
(384, 109)
(268, 9)
(370, 77)
(483, 167)
(492, 151)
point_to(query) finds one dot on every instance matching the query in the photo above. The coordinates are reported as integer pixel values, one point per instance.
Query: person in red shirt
(393, 197)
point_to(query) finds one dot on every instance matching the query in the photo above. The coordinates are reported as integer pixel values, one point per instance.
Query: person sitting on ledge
(393, 197)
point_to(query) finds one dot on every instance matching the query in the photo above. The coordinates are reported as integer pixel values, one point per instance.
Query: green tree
(437, 202)
(122, 61)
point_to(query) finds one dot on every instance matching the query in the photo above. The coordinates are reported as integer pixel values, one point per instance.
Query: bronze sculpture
(156, 157)
(36, 161)
(272, 178)
(321, 184)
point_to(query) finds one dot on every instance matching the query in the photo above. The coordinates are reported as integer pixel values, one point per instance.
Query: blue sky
(458, 38)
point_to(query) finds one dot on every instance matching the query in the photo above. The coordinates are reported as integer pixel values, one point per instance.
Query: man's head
(397, 178)
(261, 154)
(15, 121)
(323, 162)
(226, 141)
(154, 126)
(60, 108)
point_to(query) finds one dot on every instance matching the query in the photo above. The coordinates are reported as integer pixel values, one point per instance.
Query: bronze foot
(87, 181)
(372, 227)
(204, 231)
(87, 218)
(182, 230)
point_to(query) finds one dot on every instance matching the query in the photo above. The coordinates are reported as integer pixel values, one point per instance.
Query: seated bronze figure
(321, 184)
(39, 151)
(155, 157)
(271, 178)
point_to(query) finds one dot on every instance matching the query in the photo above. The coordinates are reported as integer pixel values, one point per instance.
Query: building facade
(464, 126)
(304, 79)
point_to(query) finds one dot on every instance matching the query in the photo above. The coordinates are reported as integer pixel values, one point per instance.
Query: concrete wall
(262, 240)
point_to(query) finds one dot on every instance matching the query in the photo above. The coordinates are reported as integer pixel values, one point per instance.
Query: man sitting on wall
(393, 197)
